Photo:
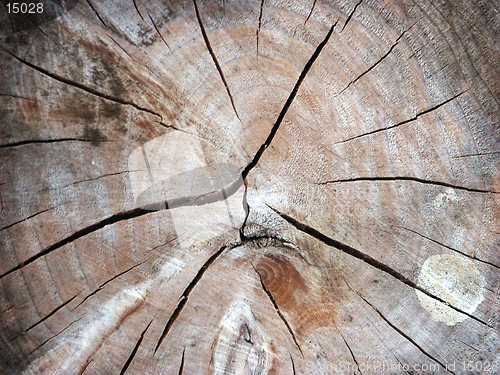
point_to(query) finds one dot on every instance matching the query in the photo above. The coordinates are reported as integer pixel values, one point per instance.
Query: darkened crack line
(80, 86)
(50, 338)
(185, 295)
(26, 218)
(161, 245)
(49, 315)
(451, 248)
(418, 50)
(260, 24)
(276, 307)
(247, 335)
(310, 12)
(175, 128)
(246, 209)
(293, 363)
(16, 97)
(181, 368)
(350, 350)
(122, 216)
(370, 261)
(287, 105)
(158, 31)
(470, 346)
(97, 14)
(401, 332)
(85, 367)
(378, 62)
(169, 126)
(39, 29)
(409, 178)
(118, 44)
(4, 311)
(138, 12)
(405, 121)
(130, 56)
(478, 154)
(44, 141)
(134, 351)
(105, 283)
(492, 291)
(97, 178)
(214, 58)
(350, 15)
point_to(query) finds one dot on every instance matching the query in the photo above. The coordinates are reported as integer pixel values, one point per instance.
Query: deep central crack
(287, 105)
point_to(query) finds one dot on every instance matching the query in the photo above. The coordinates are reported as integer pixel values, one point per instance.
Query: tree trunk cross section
(251, 187)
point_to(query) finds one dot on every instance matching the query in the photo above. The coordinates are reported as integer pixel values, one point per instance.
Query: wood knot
(281, 278)
(305, 309)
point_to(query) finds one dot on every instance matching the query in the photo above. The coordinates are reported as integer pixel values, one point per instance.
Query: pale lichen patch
(444, 198)
(453, 279)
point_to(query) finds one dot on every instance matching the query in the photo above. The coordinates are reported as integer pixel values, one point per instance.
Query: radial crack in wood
(253, 187)
(369, 260)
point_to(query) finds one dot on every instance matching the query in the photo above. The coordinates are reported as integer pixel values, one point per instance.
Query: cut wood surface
(251, 187)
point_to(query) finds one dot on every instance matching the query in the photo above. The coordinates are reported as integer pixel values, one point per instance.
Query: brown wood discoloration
(281, 279)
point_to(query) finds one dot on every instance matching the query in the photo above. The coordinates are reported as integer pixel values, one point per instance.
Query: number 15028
(25, 8)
